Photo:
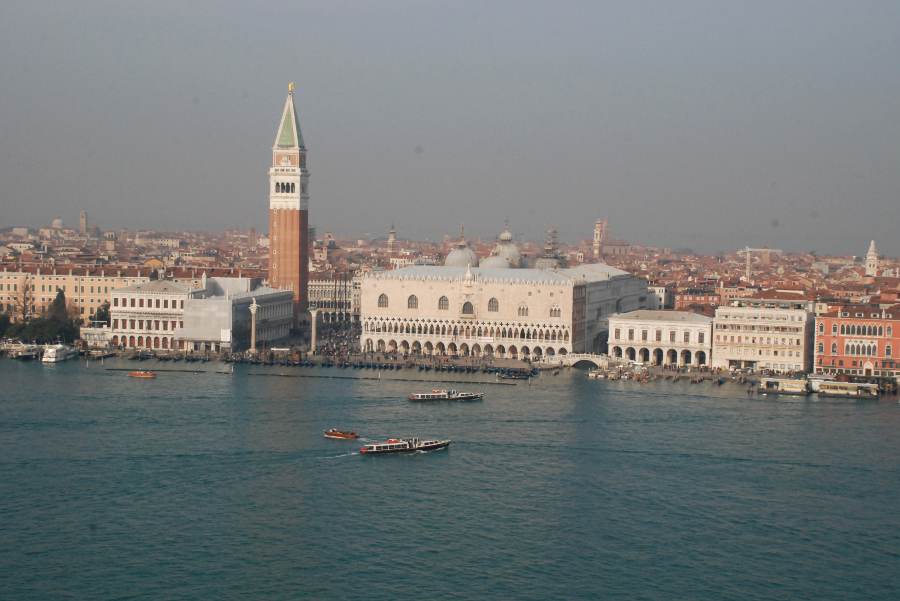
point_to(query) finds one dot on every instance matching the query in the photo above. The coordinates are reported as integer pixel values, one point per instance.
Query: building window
(493, 305)
(555, 312)
(821, 347)
(687, 337)
(383, 301)
(443, 304)
(630, 334)
(618, 334)
(412, 302)
(887, 351)
(468, 309)
(834, 329)
(821, 327)
(672, 336)
(659, 335)
(701, 337)
(523, 311)
(116, 301)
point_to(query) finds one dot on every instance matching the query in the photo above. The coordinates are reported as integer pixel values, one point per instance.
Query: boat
(596, 374)
(26, 353)
(850, 390)
(514, 375)
(403, 445)
(58, 352)
(787, 386)
(142, 374)
(340, 434)
(442, 394)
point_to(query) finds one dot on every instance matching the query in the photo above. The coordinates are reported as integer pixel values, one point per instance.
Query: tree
(57, 325)
(102, 314)
(4, 323)
(57, 310)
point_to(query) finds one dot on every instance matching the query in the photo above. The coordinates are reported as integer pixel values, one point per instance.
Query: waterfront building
(163, 314)
(859, 340)
(661, 337)
(148, 315)
(29, 291)
(217, 316)
(872, 260)
(504, 312)
(770, 331)
(289, 208)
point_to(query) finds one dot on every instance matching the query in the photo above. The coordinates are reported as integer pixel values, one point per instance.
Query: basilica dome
(461, 256)
(505, 254)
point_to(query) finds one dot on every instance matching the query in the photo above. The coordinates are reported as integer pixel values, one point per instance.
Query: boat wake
(341, 455)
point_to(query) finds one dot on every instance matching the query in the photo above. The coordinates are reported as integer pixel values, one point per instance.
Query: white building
(217, 317)
(163, 315)
(661, 297)
(501, 311)
(661, 337)
(148, 315)
(774, 334)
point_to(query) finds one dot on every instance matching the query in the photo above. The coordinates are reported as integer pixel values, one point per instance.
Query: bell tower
(289, 208)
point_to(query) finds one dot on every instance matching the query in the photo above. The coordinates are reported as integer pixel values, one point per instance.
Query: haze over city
(700, 124)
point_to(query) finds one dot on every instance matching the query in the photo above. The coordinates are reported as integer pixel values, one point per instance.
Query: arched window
(555, 312)
(493, 305)
(887, 351)
(834, 329)
(821, 347)
(293, 187)
(834, 348)
(843, 330)
(443, 304)
(382, 301)
(412, 302)
(890, 331)
(468, 309)
(523, 311)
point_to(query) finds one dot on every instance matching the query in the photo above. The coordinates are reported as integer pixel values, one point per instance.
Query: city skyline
(768, 140)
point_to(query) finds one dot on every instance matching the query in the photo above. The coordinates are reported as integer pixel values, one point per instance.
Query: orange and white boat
(340, 434)
(143, 374)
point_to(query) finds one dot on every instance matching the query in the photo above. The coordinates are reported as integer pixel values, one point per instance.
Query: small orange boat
(340, 434)
(146, 375)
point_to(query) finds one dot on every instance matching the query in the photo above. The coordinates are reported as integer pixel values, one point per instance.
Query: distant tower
(872, 260)
(600, 236)
(392, 239)
(82, 223)
(289, 208)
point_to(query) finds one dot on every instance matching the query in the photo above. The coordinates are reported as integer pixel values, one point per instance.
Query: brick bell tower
(289, 209)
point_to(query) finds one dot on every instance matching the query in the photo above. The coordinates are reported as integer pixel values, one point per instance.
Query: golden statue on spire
(291, 88)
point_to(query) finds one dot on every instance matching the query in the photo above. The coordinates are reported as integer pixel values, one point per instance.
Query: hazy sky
(708, 124)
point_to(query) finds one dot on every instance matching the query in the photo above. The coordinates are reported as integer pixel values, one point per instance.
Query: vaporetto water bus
(403, 445)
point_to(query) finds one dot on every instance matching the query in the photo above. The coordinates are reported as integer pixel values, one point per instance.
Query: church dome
(505, 254)
(461, 256)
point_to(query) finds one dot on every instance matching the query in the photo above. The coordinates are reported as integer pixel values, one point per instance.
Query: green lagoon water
(214, 486)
